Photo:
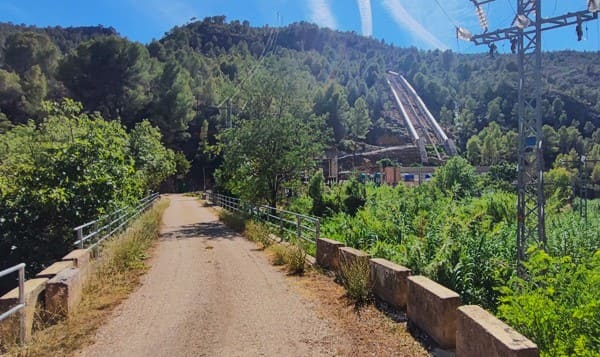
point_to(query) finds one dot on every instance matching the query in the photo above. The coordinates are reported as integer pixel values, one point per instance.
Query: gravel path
(209, 292)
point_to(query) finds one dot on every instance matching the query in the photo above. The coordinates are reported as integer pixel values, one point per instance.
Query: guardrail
(302, 226)
(96, 231)
(20, 307)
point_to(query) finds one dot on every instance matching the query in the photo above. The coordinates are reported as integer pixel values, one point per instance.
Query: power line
(445, 13)
(525, 35)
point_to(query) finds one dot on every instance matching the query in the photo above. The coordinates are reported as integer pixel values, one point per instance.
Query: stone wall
(433, 308)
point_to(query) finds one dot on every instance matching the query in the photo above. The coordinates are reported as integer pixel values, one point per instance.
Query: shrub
(232, 220)
(258, 232)
(278, 254)
(355, 278)
(295, 259)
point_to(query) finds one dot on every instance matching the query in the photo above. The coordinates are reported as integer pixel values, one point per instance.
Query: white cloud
(404, 19)
(321, 14)
(366, 17)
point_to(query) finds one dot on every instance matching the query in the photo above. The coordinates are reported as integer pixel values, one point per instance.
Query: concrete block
(433, 308)
(33, 293)
(390, 282)
(480, 333)
(81, 259)
(348, 256)
(327, 253)
(63, 292)
(54, 269)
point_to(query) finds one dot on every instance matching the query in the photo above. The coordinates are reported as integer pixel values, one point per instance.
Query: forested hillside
(181, 83)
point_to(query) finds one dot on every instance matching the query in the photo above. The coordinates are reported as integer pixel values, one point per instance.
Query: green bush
(295, 259)
(258, 232)
(65, 171)
(558, 306)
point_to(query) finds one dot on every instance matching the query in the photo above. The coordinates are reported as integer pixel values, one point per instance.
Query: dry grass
(258, 232)
(277, 254)
(366, 330)
(232, 220)
(355, 278)
(117, 273)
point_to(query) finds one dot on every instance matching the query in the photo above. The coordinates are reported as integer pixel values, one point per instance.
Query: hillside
(202, 64)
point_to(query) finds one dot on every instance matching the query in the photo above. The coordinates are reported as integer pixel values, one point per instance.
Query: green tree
(64, 172)
(24, 50)
(474, 150)
(559, 187)
(10, 95)
(262, 155)
(457, 176)
(153, 162)
(35, 89)
(357, 123)
(110, 75)
(316, 189)
(174, 108)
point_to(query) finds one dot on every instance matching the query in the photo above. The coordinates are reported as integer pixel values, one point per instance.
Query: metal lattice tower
(525, 37)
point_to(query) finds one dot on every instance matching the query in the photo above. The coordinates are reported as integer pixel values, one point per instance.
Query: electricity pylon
(525, 36)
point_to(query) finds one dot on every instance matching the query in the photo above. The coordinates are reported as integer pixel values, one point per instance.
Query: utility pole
(525, 36)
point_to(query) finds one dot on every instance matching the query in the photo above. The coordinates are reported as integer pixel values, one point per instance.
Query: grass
(232, 220)
(258, 232)
(116, 274)
(355, 278)
(290, 255)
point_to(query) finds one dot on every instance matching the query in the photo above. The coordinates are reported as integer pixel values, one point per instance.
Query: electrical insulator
(482, 18)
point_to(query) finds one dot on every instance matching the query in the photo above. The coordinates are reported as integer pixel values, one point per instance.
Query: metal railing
(302, 226)
(20, 307)
(95, 232)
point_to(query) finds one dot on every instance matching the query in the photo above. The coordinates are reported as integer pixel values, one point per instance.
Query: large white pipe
(411, 128)
(432, 120)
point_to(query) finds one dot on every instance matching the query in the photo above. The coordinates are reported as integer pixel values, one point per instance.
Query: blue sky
(420, 23)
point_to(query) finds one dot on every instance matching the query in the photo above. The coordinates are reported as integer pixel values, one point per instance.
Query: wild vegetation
(257, 107)
(69, 169)
(459, 229)
(121, 263)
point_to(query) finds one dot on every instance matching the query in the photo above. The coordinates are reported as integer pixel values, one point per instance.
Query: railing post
(80, 237)
(22, 302)
(299, 220)
(317, 230)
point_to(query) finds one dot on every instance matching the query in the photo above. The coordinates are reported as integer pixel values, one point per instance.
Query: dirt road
(209, 292)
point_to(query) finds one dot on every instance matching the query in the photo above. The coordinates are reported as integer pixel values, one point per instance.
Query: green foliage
(558, 306)
(355, 278)
(355, 196)
(295, 259)
(273, 149)
(316, 188)
(233, 221)
(66, 171)
(174, 108)
(258, 232)
(559, 188)
(24, 50)
(110, 75)
(457, 177)
(153, 161)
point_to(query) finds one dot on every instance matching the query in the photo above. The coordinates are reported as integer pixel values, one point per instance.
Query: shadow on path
(209, 230)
